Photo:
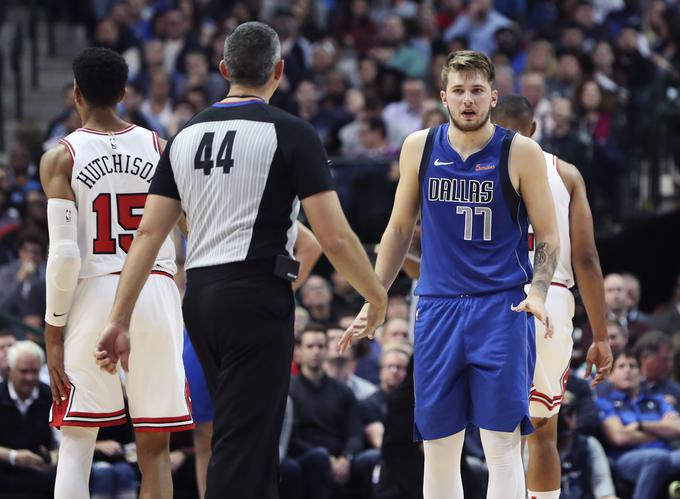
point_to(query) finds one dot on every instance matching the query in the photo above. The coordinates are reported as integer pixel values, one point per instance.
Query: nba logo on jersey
(68, 215)
(112, 141)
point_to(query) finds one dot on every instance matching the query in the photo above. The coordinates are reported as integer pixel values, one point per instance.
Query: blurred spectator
(638, 321)
(587, 421)
(405, 117)
(565, 141)
(618, 336)
(395, 330)
(25, 435)
(198, 75)
(585, 469)
(157, 108)
(131, 107)
(505, 80)
(35, 218)
(615, 298)
(345, 298)
(532, 86)
(23, 292)
(316, 296)
(655, 354)
(567, 76)
(394, 360)
(327, 428)
(478, 24)
(296, 50)
(10, 222)
(308, 108)
(24, 171)
(361, 109)
(434, 117)
(638, 427)
(178, 41)
(340, 366)
(6, 341)
(353, 26)
(373, 139)
(397, 52)
(301, 320)
(669, 319)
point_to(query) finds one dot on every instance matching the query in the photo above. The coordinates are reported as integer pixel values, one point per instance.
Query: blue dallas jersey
(474, 225)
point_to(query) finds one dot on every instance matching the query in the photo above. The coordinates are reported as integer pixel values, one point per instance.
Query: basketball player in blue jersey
(578, 258)
(475, 185)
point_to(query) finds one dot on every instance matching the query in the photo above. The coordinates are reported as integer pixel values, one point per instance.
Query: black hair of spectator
(5, 332)
(376, 124)
(515, 108)
(651, 342)
(250, 53)
(32, 236)
(628, 353)
(101, 75)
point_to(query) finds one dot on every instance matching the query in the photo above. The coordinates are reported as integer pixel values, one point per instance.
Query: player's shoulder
(59, 157)
(569, 174)
(523, 144)
(415, 142)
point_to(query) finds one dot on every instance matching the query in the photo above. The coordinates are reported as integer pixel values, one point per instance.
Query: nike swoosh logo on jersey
(442, 163)
(59, 315)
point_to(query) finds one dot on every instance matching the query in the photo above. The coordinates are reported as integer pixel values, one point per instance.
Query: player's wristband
(13, 457)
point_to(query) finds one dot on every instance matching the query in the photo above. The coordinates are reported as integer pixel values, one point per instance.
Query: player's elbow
(63, 265)
(586, 261)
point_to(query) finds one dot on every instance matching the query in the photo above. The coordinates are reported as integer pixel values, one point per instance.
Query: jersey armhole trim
(425, 159)
(69, 148)
(156, 144)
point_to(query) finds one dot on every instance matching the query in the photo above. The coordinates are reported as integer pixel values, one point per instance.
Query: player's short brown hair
(468, 60)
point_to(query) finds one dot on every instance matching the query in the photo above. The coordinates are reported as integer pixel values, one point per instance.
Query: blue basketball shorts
(201, 403)
(473, 364)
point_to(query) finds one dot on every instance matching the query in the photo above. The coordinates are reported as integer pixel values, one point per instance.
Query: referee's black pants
(240, 320)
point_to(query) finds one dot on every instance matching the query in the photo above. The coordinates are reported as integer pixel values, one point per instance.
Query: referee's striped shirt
(240, 170)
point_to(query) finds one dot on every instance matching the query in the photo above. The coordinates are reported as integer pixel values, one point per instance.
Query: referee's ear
(223, 70)
(278, 69)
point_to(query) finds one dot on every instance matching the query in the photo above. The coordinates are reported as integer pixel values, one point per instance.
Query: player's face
(468, 99)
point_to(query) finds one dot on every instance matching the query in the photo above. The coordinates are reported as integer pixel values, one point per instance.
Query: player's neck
(467, 143)
(104, 120)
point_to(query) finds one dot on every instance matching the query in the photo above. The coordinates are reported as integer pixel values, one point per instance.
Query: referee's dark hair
(250, 54)
(101, 75)
(514, 112)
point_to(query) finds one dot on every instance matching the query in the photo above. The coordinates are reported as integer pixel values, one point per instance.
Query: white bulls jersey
(110, 179)
(564, 273)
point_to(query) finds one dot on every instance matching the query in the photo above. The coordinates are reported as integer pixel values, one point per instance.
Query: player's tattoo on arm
(545, 261)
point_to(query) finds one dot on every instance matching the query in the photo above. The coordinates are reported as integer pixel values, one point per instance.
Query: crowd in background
(603, 77)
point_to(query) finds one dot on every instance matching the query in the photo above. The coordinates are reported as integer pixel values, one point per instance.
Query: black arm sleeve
(307, 158)
(163, 182)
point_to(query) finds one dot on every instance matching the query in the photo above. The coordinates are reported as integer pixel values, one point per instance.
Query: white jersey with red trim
(564, 274)
(110, 178)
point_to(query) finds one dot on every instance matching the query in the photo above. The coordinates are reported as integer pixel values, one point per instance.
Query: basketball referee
(238, 170)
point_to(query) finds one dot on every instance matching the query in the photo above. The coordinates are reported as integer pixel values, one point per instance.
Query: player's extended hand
(600, 355)
(113, 344)
(54, 344)
(534, 305)
(364, 325)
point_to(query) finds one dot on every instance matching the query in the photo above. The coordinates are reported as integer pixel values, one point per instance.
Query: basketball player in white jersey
(578, 255)
(96, 181)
